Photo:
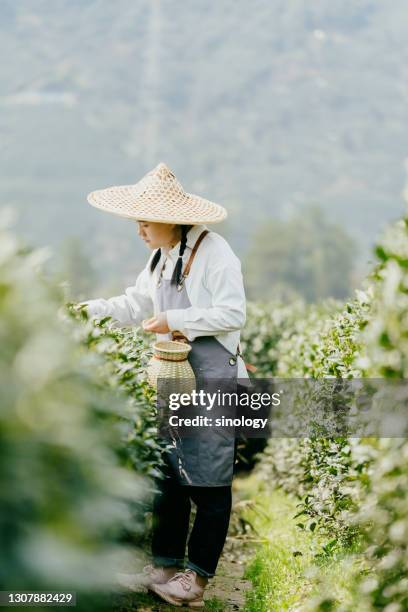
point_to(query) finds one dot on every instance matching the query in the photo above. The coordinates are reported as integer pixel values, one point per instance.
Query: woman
(193, 286)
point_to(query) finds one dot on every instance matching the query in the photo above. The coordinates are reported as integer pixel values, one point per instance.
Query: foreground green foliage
(285, 572)
(352, 492)
(67, 438)
(124, 354)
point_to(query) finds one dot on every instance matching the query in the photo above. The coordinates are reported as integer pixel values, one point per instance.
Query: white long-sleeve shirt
(214, 286)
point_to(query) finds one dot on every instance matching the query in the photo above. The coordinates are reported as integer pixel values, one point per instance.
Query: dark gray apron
(206, 459)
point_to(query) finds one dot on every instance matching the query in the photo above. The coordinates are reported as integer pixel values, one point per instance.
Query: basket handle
(178, 336)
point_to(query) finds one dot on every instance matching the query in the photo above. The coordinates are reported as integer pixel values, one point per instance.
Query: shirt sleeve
(129, 308)
(228, 311)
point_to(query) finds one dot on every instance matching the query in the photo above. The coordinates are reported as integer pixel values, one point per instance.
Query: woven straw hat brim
(183, 209)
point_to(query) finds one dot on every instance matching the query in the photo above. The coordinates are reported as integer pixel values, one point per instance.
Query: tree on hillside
(306, 256)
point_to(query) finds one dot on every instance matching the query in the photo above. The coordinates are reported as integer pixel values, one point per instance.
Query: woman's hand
(157, 324)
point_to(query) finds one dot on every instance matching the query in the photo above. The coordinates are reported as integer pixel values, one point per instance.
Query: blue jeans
(171, 517)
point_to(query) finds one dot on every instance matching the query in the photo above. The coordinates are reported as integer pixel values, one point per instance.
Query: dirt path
(229, 586)
(225, 592)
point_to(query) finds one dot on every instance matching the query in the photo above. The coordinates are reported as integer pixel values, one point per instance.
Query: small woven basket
(169, 362)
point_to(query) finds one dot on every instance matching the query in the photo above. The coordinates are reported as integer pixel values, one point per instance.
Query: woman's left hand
(157, 324)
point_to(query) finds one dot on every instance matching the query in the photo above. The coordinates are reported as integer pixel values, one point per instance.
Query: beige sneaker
(149, 575)
(181, 589)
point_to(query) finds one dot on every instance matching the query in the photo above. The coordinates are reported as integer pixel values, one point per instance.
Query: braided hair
(155, 260)
(176, 276)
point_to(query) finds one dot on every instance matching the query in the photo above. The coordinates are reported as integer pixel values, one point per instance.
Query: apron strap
(193, 252)
(176, 334)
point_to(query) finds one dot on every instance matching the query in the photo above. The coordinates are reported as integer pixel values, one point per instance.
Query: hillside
(265, 107)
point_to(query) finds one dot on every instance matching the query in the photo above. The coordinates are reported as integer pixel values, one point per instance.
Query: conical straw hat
(158, 197)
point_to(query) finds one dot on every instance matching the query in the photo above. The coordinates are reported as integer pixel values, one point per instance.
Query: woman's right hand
(157, 324)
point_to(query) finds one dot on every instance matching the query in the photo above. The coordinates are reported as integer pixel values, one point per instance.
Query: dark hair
(176, 276)
(155, 260)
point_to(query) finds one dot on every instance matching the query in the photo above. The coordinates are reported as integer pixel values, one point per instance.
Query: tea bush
(353, 487)
(320, 471)
(66, 493)
(272, 326)
(383, 514)
(124, 354)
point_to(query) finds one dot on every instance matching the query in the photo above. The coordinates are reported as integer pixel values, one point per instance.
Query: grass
(284, 573)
